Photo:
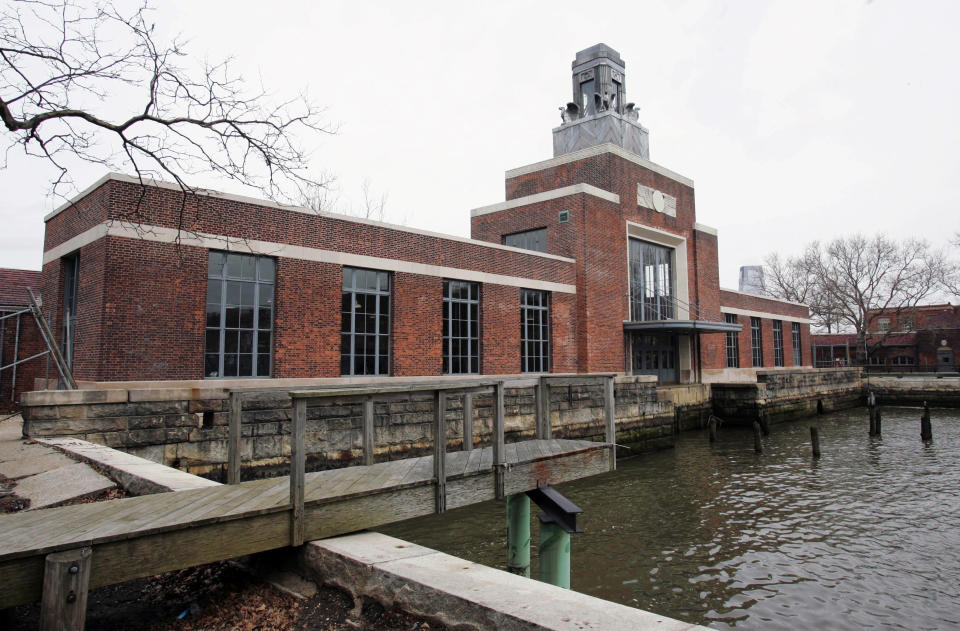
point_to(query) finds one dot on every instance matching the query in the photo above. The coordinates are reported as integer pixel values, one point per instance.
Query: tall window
(777, 343)
(587, 105)
(733, 342)
(365, 322)
(756, 343)
(651, 281)
(528, 239)
(239, 315)
(534, 331)
(797, 349)
(71, 272)
(461, 327)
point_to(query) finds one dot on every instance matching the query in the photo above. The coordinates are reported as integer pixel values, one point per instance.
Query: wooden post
(368, 442)
(764, 423)
(872, 412)
(712, 424)
(233, 444)
(66, 577)
(757, 440)
(819, 406)
(815, 441)
(440, 450)
(610, 415)
(298, 464)
(498, 446)
(926, 429)
(468, 421)
(544, 431)
(877, 421)
(518, 534)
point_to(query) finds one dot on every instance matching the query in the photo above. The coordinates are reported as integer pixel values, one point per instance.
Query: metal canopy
(683, 326)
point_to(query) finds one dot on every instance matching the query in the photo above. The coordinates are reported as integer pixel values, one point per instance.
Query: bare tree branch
(63, 66)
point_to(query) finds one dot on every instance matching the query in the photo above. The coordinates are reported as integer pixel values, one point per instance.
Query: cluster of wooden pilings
(761, 426)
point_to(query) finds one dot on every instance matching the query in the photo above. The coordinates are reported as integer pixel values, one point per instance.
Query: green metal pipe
(554, 555)
(518, 534)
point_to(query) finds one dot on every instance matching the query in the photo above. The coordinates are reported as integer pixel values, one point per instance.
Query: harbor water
(866, 537)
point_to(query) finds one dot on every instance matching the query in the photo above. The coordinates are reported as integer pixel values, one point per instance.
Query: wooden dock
(56, 555)
(142, 536)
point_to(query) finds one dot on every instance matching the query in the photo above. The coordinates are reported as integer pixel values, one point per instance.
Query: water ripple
(868, 537)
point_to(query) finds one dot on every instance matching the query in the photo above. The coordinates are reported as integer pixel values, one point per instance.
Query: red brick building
(923, 338)
(595, 262)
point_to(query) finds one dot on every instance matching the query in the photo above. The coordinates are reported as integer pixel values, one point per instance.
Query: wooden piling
(544, 431)
(440, 449)
(815, 441)
(926, 430)
(298, 462)
(876, 421)
(819, 406)
(468, 421)
(499, 461)
(66, 578)
(610, 416)
(368, 442)
(712, 425)
(757, 439)
(764, 424)
(233, 441)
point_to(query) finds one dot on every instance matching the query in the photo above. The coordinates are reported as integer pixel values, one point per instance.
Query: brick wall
(141, 302)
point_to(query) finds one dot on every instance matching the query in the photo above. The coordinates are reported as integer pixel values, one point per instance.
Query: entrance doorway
(654, 355)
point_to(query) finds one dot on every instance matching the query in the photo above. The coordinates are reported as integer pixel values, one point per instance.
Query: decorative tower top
(599, 112)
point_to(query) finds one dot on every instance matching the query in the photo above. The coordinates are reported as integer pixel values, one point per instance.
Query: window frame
(778, 359)
(651, 281)
(258, 282)
(797, 340)
(530, 361)
(381, 329)
(534, 239)
(733, 341)
(472, 321)
(756, 342)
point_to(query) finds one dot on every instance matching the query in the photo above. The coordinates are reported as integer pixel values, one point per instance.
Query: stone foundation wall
(938, 391)
(187, 428)
(782, 395)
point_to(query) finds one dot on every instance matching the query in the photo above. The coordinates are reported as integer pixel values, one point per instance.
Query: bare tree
(372, 204)
(851, 281)
(65, 67)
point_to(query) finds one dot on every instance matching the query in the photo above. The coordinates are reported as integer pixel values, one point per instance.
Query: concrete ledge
(462, 594)
(137, 475)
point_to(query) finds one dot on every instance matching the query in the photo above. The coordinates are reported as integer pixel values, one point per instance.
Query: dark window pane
(211, 365)
(266, 319)
(246, 317)
(263, 343)
(213, 315)
(263, 365)
(212, 344)
(245, 368)
(246, 341)
(384, 368)
(231, 341)
(229, 365)
(232, 317)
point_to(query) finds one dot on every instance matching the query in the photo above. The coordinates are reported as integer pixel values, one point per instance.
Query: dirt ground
(221, 597)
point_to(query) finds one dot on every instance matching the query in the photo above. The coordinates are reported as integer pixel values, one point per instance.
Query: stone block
(72, 397)
(203, 452)
(177, 434)
(175, 394)
(267, 447)
(207, 405)
(151, 408)
(145, 422)
(139, 437)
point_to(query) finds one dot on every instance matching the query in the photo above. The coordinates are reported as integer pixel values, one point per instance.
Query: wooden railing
(303, 399)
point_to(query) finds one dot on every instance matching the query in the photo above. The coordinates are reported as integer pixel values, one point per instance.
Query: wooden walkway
(142, 536)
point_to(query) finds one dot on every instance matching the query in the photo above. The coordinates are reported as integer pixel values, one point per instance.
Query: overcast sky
(796, 120)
